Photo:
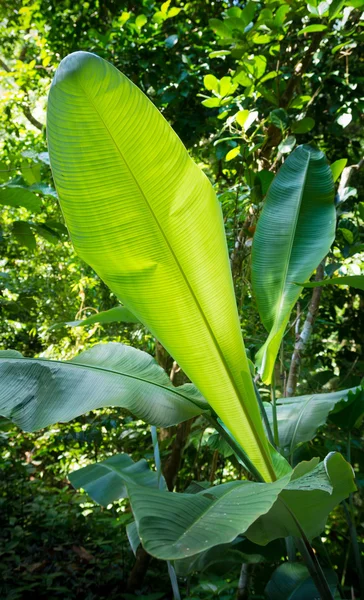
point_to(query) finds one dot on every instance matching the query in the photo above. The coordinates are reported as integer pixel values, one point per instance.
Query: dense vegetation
(242, 85)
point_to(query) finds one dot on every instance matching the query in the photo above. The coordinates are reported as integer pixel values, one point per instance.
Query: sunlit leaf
(146, 218)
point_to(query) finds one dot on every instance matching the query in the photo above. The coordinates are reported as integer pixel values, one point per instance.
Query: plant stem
(157, 456)
(236, 448)
(274, 412)
(264, 415)
(314, 568)
(291, 548)
(158, 466)
(310, 558)
(174, 581)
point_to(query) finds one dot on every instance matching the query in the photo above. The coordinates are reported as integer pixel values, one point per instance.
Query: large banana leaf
(292, 581)
(309, 498)
(118, 314)
(146, 218)
(300, 417)
(173, 526)
(225, 556)
(355, 281)
(294, 233)
(38, 392)
(106, 481)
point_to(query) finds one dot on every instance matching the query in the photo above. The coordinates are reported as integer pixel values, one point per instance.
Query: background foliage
(241, 84)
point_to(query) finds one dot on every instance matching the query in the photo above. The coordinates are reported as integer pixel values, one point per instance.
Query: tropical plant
(146, 219)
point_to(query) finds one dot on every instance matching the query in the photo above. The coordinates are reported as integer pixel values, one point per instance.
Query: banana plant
(294, 233)
(147, 219)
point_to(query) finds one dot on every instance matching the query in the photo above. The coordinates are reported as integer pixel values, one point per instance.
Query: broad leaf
(226, 556)
(337, 167)
(294, 232)
(355, 281)
(173, 526)
(118, 314)
(35, 393)
(310, 498)
(133, 536)
(146, 218)
(300, 417)
(106, 481)
(348, 413)
(16, 195)
(24, 235)
(292, 581)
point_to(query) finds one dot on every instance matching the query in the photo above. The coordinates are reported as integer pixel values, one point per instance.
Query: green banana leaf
(225, 556)
(292, 581)
(105, 481)
(300, 417)
(118, 314)
(133, 536)
(310, 496)
(349, 412)
(146, 218)
(174, 526)
(355, 281)
(293, 234)
(35, 393)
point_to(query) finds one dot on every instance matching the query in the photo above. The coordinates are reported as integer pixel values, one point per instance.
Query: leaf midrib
(302, 410)
(291, 244)
(261, 447)
(212, 506)
(65, 364)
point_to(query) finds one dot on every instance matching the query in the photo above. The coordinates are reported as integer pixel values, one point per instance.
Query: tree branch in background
(171, 466)
(138, 572)
(303, 337)
(25, 107)
(274, 134)
(301, 341)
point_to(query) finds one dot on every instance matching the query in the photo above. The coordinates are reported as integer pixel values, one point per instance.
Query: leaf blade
(165, 252)
(294, 232)
(35, 393)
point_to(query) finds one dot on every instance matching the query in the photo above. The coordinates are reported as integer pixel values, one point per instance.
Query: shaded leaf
(16, 195)
(292, 581)
(300, 417)
(173, 526)
(355, 281)
(310, 498)
(294, 232)
(106, 481)
(303, 126)
(35, 393)
(24, 235)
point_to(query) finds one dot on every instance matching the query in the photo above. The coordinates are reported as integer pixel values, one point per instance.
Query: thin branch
(25, 108)
(303, 337)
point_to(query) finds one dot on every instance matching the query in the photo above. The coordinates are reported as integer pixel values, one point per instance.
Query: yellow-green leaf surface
(294, 233)
(146, 218)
